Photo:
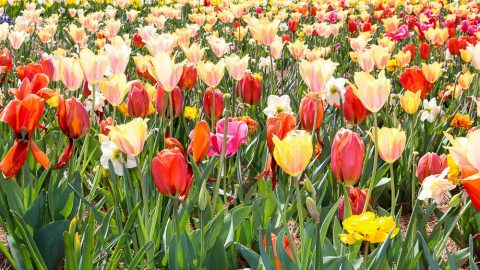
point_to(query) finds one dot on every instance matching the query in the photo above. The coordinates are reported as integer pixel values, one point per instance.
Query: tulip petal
(14, 159)
(67, 153)
(39, 155)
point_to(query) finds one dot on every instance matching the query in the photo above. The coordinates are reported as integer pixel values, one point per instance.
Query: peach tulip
(211, 74)
(71, 73)
(263, 31)
(166, 71)
(391, 143)
(317, 73)
(114, 88)
(236, 66)
(373, 93)
(432, 71)
(293, 152)
(93, 65)
(130, 137)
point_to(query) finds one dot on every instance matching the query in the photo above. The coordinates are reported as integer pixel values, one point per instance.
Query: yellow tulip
(114, 88)
(211, 74)
(373, 93)
(294, 152)
(391, 143)
(432, 71)
(263, 31)
(410, 101)
(466, 56)
(236, 66)
(465, 79)
(130, 137)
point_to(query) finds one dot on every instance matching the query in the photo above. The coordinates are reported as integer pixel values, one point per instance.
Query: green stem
(412, 145)
(392, 186)
(365, 254)
(347, 210)
(170, 127)
(144, 190)
(202, 238)
(175, 218)
(299, 210)
(92, 109)
(222, 160)
(114, 115)
(375, 161)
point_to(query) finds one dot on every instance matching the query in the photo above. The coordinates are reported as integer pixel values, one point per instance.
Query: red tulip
(307, 112)
(353, 109)
(357, 201)
(163, 103)
(23, 117)
(473, 190)
(138, 41)
(412, 79)
(352, 25)
(286, 246)
(47, 67)
(174, 145)
(188, 79)
(430, 164)
(171, 174)
(138, 101)
(424, 50)
(38, 85)
(6, 61)
(285, 38)
(74, 122)
(208, 102)
(292, 26)
(250, 89)
(454, 45)
(347, 156)
(410, 48)
(200, 141)
(29, 71)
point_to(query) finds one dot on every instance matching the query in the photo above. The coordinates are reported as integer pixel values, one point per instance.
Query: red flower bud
(171, 174)
(357, 201)
(6, 61)
(424, 50)
(138, 41)
(208, 102)
(138, 100)
(250, 89)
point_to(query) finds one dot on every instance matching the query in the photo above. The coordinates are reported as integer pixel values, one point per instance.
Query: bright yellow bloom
(461, 121)
(191, 113)
(466, 56)
(368, 227)
(293, 153)
(392, 65)
(211, 74)
(410, 101)
(391, 143)
(465, 79)
(130, 137)
(453, 170)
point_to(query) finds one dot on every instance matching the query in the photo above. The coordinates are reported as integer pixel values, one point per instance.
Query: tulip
(48, 68)
(236, 67)
(211, 74)
(114, 88)
(71, 73)
(209, 99)
(118, 56)
(317, 73)
(473, 190)
(311, 112)
(194, 53)
(347, 156)
(380, 56)
(74, 122)
(465, 79)
(297, 49)
(475, 55)
(436, 36)
(164, 43)
(6, 61)
(138, 103)
(29, 71)
(410, 101)
(250, 89)
(276, 48)
(357, 201)
(165, 71)
(286, 246)
(293, 152)
(464, 151)
(23, 117)
(130, 137)
(263, 31)
(188, 79)
(93, 66)
(218, 45)
(412, 79)
(171, 174)
(373, 93)
(163, 103)
(353, 109)
(200, 141)
(430, 164)
(236, 135)
(391, 143)
(432, 71)
(366, 61)
(424, 50)
(37, 86)
(17, 38)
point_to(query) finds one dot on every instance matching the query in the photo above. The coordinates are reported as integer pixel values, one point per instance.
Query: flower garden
(219, 134)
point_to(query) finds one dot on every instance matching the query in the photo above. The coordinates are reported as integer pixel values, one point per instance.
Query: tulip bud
(353, 109)
(188, 79)
(455, 200)
(347, 156)
(171, 174)
(357, 201)
(309, 104)
(138, 100)
(203, 197)
(312, 210)
(430, 164)
(308, 186)
(163, 102)
(249, 89)
(208, 98)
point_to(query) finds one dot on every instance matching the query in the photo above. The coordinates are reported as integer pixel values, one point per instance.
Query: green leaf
(217, 257)
(139, 255)
(34, 214)
(327, 221)
(427, 254)
(249, 255)
(380, 256)
(17, 260)
(49, 240)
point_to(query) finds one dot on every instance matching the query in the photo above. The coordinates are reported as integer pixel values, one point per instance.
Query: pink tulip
(347, 156)
(236, 135)
(430, 164)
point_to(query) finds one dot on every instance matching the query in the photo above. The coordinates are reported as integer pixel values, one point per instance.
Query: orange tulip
(23, 117)
(74, 122)
(200, 141)
(171, 174)
(286, 246)
(307, 112)
(37, 86)
(473, 190)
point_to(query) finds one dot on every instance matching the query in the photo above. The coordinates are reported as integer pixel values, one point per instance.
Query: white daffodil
(276, 104)
(265, 64)
(436, 187)
(335, 91)
(430, 110)
(99, 101)
(110, 152)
